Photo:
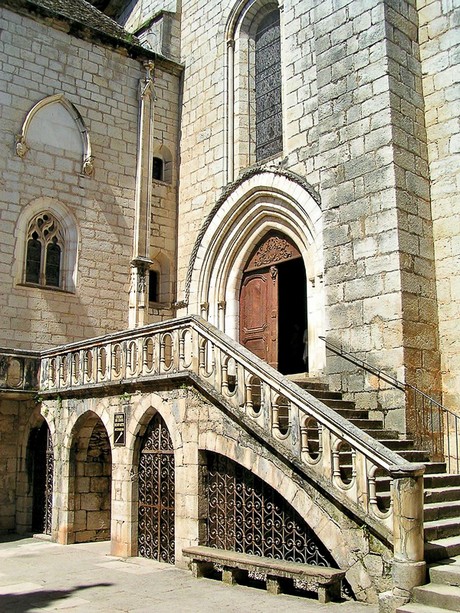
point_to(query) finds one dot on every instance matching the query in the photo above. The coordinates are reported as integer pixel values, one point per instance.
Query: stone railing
(18, 370)
(350, 465)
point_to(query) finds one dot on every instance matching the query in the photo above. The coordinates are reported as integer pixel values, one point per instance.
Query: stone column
(143, 197)
(409, 567)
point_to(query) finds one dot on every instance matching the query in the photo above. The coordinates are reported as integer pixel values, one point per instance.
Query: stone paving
(37, 575)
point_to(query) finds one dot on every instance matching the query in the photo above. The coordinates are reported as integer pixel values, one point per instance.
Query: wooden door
(259, 314)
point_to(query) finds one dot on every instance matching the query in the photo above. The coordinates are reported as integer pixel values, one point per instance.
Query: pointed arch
(254, 109)
(68, 236)
(262, 203)
(23, 145)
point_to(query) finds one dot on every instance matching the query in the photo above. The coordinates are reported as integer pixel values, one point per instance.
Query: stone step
(399, 443)
(438, 595)
(446, 572)
(321, 393)
(381, 435)
(438, 480)
(441, 510)
(353, 414)
(442, 494)
(439, 549)
(368, 424)
(442, 528)
(415, 455)
(435, 468)
(417, 607)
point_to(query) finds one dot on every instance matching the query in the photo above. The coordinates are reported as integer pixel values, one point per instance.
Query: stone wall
(102, 85)
(439, 51)
(354, 129)
(17, 417)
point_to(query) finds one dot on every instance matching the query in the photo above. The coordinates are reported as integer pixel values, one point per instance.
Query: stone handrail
(19, 370)
(352, 464)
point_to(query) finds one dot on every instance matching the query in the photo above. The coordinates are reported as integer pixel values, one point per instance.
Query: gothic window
(267, 77)
(153, 286)
(254, 76)
(44, 251)
(157, 169)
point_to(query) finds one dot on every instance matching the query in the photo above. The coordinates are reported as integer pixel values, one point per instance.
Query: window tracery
(44, 250)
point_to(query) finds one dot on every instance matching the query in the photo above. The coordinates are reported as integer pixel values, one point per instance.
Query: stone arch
(25, 482)
(163, 153)
(68, 127)
(264, 202)
(71, 238)
(142, 411)
(240, 34)
(90, 466)
(161, 264)
(338, 534)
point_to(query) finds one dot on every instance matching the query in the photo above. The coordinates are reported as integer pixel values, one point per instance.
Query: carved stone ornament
(88, 166)
(21, 146)
(275, 249)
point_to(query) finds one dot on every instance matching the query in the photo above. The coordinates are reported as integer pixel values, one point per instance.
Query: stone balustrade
(18, 371)
(353, 467)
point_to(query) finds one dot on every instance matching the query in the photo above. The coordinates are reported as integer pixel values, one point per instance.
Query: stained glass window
(269, 128)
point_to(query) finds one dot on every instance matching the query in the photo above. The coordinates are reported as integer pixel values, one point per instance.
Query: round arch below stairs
(262, 203)
(348, 545)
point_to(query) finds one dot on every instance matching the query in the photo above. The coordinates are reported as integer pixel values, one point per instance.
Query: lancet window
(44, 251)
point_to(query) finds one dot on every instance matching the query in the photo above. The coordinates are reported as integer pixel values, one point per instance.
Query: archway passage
(42, 459)
(273, 305)
(156, 494)
(91, 461)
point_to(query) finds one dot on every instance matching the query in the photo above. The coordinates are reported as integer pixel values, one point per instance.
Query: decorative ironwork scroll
(247, 515)
(269, 123)
(49, 474)
(156, 493)
(43, 469)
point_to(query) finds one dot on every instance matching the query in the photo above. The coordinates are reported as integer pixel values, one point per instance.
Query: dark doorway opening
(273, 305)
(292, 318)
(41, 454)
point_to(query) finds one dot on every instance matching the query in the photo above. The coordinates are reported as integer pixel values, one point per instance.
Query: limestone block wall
(379, 270)
(102, 85)
(354, 128)
(16, 419)
(439, 23)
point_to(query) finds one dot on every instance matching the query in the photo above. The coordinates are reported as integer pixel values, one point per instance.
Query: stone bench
(328, 581)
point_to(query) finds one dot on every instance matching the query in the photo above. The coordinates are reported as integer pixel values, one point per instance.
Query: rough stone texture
(439, 25)
(103, 86)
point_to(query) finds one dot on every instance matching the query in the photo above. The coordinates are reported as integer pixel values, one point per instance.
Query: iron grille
(247, 515)
(156, 493)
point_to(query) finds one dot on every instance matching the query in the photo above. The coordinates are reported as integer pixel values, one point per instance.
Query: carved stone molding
(275, 249)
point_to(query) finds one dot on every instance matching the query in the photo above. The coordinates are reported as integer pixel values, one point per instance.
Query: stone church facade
(201, 202)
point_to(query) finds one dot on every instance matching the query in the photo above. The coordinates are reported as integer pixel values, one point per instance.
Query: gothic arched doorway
(42, 468)
(156, 493)
(273, 305)
(91, 480)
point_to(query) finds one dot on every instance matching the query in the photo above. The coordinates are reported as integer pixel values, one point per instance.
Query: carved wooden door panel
(260, 299)
(259, 314)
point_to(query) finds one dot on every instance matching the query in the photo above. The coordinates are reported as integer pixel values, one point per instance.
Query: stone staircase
(441, 503)
(441, 594)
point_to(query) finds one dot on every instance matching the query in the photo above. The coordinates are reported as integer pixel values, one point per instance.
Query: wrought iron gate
(156, 493)
(43, 469)
(247, 515)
